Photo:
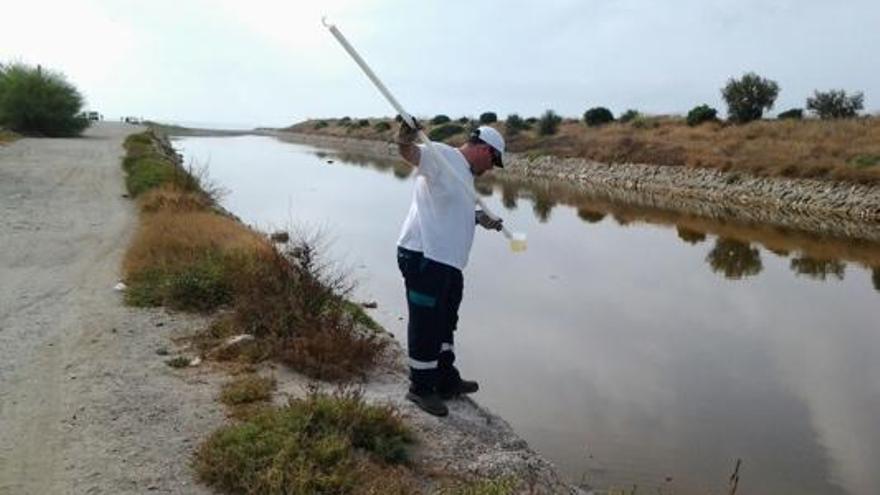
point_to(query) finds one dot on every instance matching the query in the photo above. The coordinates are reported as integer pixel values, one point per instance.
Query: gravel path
(86, 403)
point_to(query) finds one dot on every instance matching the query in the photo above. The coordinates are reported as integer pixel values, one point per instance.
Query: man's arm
(406, 139)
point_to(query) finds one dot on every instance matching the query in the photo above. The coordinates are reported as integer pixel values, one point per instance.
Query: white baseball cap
(493, 138)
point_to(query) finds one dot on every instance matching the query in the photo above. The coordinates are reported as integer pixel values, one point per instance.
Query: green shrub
(146, 173)
(644, 122)
(38, 101)
(531, 120)
(440, 119)
(345, 121)
(628, 116)
(548, 124)
(793, 114)
(700, 114)
(313, 445)
(865, 161)
(363, 123)
(445, 131)
(836, 104)
(382, 126)
(597, 116)
(488, 118)
(748, 97)
(202, 286)
(463, 120)
(320, 124)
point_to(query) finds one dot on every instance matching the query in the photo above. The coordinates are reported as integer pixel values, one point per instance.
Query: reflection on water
(653, 355)
(732, 256)
(818, 269)
(734, 259)
(690, 236)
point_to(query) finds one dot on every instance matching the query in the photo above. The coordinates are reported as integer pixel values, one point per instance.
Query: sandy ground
(87, 403)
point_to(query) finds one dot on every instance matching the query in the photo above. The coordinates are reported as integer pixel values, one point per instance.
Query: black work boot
(461, 387)
(428, 402)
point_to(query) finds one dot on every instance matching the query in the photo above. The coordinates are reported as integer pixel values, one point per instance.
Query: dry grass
(833, 150)
(187, 255)
(169, 239)
(187, 259)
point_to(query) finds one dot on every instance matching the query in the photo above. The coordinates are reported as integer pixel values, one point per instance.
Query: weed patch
(178, 362)
(320, 444)
(298, 302)
(247, 389)
(7, 136)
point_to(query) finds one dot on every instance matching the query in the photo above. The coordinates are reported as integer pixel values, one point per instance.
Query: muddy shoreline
(835, 209)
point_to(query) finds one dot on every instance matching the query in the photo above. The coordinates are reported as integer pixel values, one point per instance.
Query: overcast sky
(261, 62)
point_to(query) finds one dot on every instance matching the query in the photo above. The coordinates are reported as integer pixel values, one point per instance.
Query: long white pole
(517, 241)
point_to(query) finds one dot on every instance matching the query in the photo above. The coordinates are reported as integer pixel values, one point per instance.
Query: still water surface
(630, 347)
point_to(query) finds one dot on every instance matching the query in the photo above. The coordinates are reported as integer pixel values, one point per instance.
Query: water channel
(633, 348)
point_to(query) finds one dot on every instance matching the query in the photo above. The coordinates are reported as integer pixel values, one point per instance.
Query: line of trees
(37, 101)
(747, 98)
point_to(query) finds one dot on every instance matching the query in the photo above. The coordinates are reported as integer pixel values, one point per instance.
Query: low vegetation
(835, 149)
(789, 146)
(189, 255)
(320, 444)
(7, 136)
(247, 389)
(40, 102)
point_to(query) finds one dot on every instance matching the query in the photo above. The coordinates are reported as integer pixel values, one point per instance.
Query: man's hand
(406, 138)
(487, 222)
(406, 135)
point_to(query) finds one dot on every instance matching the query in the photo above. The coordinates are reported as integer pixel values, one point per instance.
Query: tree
(440, 119)
(34, 100)
(597, 116)
(628, 115)
(513, 124)
(836, 104)
(748, 97)
(549, 122)
(700, 114)
(488, 118)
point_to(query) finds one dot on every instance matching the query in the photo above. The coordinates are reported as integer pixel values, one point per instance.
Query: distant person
(432, 251)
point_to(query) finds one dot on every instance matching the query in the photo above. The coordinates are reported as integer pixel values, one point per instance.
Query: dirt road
(87, 404)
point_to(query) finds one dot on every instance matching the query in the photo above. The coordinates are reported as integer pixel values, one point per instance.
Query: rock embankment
(839, 209)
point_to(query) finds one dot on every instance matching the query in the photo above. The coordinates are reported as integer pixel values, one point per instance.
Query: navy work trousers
(433, 296)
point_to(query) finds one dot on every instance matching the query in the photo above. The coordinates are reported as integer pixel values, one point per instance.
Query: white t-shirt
(440, 222)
